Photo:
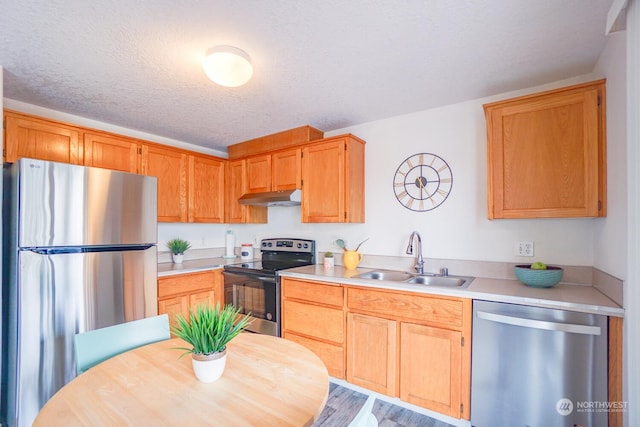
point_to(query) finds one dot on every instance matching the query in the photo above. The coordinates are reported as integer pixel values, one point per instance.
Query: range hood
(272, 198)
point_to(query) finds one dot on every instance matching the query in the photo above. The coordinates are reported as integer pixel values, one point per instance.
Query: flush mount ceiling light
(227, 66)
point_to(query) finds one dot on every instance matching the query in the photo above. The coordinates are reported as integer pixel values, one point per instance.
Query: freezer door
(70, 205)
(58, 296)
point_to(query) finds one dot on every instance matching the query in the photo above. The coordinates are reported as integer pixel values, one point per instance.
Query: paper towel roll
(230, 241)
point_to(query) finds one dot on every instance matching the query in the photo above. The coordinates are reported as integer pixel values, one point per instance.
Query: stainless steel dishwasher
(537, 367)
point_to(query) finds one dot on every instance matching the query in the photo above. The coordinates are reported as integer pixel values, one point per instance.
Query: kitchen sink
(412, 278)
(390, 275)
(449, 281)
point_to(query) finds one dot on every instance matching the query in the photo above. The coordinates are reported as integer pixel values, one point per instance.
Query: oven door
(255, 294)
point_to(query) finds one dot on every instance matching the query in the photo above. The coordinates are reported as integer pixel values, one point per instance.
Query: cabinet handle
(539, 324)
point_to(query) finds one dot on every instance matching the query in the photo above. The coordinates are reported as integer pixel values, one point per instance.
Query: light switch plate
(524, 249)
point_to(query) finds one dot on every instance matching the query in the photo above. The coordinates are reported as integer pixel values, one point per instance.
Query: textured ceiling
(329, 63)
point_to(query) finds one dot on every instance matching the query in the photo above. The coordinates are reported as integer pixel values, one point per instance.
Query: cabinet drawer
(313, 292)
(331, 355)
(428, 309)
(185, 283)
(313, 321)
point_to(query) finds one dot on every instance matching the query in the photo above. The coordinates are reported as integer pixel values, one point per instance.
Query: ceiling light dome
(227, 66)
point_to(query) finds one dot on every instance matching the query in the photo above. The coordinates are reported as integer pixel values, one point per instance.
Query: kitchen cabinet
(235, 186)
(275, 171)
(547, 154)
(206, 189)
(312, 315)
(259, 174)
(333, 180)
(372, 353)
(27, 136)
(170, 166)
(286, 169)
(110, 152)
(431, 361)
(416, 347)
(179, 293)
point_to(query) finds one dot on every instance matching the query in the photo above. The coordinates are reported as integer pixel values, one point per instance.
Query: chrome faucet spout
(419, 261)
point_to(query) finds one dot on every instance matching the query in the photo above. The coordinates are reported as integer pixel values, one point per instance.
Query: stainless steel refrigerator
(79, 254)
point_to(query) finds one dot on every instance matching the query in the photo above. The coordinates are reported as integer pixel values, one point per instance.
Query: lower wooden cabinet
(413, 346)
(312, 315)
(178, 293)
(372, 353)
(431, 366)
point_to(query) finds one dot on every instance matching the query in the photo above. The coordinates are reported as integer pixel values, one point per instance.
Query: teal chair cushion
(93, 347)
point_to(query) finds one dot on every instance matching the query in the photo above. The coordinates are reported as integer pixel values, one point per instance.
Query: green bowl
(538, 278)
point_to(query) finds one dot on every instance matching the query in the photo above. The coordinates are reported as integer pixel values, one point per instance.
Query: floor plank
(343, 404)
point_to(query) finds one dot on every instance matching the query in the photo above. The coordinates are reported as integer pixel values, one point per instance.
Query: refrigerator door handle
(81, 250)
(539, 324)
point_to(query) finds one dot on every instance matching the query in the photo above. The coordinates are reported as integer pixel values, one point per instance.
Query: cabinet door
(206, 189)
(170, 166)
(371, 353)
(202, 298)
(546, 154)
(173, 307)
(430, 373)
(259, 174)
(40, 139)
(107, 152)
(286, 169)
(234, 187)
(331, 355)
(323, 180)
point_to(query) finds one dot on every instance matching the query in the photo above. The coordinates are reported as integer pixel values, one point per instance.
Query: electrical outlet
(524, 248)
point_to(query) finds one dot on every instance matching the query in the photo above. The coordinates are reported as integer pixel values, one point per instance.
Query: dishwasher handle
(539, 324)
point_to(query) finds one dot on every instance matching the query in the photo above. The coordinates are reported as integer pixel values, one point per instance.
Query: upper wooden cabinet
(235, 186)
(286, 169)
(170, 167)
(259, 174)
(547, 154)
(333, 180)
(27, 136)
(206, 189)
(115, 153)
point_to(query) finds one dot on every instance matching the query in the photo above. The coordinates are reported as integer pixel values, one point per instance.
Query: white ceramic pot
(210, 367)
(177, 258)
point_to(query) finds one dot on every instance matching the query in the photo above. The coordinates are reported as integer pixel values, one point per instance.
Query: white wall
(610, 249)
(457, 229)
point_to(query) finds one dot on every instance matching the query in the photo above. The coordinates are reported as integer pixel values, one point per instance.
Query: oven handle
(268, 279)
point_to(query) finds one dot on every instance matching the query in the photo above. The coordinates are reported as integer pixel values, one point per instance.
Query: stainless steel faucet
(419, 261)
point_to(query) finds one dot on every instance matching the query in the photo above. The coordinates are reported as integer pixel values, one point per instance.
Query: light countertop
(169, 268)
(583, 298)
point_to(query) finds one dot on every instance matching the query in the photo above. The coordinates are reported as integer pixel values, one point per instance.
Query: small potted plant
(329, 261)
(178, 248)
(208, 330)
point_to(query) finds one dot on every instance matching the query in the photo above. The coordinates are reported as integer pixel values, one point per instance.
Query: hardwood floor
(344, 403)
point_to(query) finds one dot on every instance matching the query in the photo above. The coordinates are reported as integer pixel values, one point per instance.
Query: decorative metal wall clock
(422, 182)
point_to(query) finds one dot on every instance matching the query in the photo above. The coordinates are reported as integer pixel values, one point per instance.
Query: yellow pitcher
(351, 259)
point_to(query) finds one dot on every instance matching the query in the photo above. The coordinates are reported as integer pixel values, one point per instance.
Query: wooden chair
(93, 347)
(364, 417)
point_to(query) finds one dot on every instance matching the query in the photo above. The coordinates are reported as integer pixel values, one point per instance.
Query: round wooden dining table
(268, 381)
